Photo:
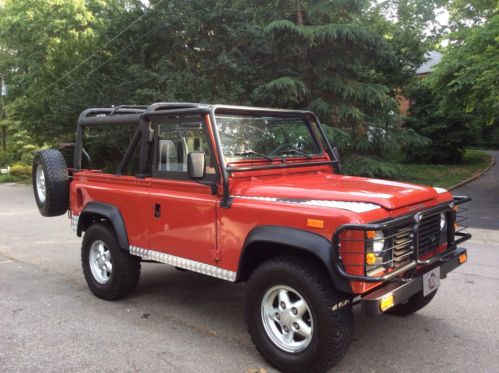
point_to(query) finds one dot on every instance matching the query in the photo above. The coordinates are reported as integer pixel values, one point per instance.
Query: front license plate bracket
(431, 281)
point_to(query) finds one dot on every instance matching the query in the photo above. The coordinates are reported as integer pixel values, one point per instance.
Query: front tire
(290, 317)
(111, 272)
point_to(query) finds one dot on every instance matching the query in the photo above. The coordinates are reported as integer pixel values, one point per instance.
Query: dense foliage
(449, 131)
(468, 76)
(459, 104)
(345, 60)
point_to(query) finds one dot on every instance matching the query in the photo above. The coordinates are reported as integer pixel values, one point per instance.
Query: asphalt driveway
(484, 208)
(186, 322)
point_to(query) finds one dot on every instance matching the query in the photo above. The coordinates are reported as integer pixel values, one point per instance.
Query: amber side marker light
(463, 258)
(386, 302)
(315, 223)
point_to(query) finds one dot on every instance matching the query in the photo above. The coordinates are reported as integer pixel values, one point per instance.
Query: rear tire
(111, 272)
(306, 335)
(50, 182)
(413, 304)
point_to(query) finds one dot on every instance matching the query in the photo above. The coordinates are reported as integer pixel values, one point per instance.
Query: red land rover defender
(254, 195)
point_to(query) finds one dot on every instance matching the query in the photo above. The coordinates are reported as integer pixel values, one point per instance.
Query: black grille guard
(454, 238)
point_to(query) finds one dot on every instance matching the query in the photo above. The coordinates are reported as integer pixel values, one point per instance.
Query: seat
(168, 160)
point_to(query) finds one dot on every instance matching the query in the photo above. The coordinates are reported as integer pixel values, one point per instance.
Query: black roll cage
(140, 115)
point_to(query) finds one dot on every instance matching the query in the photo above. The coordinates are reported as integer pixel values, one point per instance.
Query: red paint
(187, 224)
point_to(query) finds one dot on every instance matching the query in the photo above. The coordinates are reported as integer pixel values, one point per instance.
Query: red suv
(254, 195)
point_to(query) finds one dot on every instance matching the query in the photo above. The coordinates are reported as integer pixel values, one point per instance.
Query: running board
(177, 261)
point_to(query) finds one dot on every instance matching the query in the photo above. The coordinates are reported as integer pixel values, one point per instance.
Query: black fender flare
(93, 210)
(301, 241)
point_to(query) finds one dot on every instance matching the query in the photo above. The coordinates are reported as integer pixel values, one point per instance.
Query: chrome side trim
(343, 205)
(177, 261)
(74, 222)
(270, 199)
(350, 206)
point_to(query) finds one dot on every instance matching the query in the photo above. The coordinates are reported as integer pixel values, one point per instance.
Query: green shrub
(20, 170)
(6, 158)
(8, 178)
(369, 167)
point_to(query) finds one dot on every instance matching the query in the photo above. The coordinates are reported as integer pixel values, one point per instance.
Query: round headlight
(443, 220)
(378, 242)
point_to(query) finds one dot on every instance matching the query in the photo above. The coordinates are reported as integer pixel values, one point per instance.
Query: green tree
(467, 79)
(64, 56)
(449, 131)
(322, 56)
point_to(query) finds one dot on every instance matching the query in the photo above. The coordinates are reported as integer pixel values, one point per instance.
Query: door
(183, 211)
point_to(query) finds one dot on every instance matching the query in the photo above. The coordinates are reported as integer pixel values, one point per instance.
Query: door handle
(157, 210)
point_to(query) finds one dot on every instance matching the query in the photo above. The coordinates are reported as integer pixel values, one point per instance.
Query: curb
(474, 177)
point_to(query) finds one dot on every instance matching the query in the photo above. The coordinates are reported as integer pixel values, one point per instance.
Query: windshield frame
(226, 109)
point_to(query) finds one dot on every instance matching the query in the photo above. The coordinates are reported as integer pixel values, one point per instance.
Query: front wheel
(290, 317)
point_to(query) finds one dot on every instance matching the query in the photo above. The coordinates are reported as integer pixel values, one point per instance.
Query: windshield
(265, 137)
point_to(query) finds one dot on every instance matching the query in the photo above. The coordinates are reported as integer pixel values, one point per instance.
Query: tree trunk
(299, 13)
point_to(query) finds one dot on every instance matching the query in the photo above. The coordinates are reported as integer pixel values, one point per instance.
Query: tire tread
(56, 182)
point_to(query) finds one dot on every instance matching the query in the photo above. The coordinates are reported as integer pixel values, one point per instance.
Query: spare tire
(50, 182)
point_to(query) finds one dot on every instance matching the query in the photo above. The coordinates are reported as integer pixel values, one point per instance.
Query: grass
(10, 178)
(7, 178)
(446, 175)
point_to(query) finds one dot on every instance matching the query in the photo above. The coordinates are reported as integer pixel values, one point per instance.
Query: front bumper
(401, 291)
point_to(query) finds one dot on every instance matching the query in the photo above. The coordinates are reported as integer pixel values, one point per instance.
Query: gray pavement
(185, 322)
(484, 208)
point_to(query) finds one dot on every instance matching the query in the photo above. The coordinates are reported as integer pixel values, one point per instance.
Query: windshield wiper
(252, 152)
(295, 151)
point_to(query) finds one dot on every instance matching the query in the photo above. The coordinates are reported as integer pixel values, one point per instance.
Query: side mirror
(337, 158)
(196, 163)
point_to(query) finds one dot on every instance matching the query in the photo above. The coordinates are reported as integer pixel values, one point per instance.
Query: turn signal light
(370, 234)
(370, 259)
(386, 303)
(315, 223)
(463, 258)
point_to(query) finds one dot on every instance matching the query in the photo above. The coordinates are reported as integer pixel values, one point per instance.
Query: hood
(320, 186)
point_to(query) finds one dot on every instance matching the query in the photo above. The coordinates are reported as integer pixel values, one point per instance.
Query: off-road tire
(125, 267)
(332, 330)
(413, 304)
(56, 182)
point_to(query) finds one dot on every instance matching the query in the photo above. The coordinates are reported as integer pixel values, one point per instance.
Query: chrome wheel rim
(40, 183)
(100, 262)
(287, 318)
